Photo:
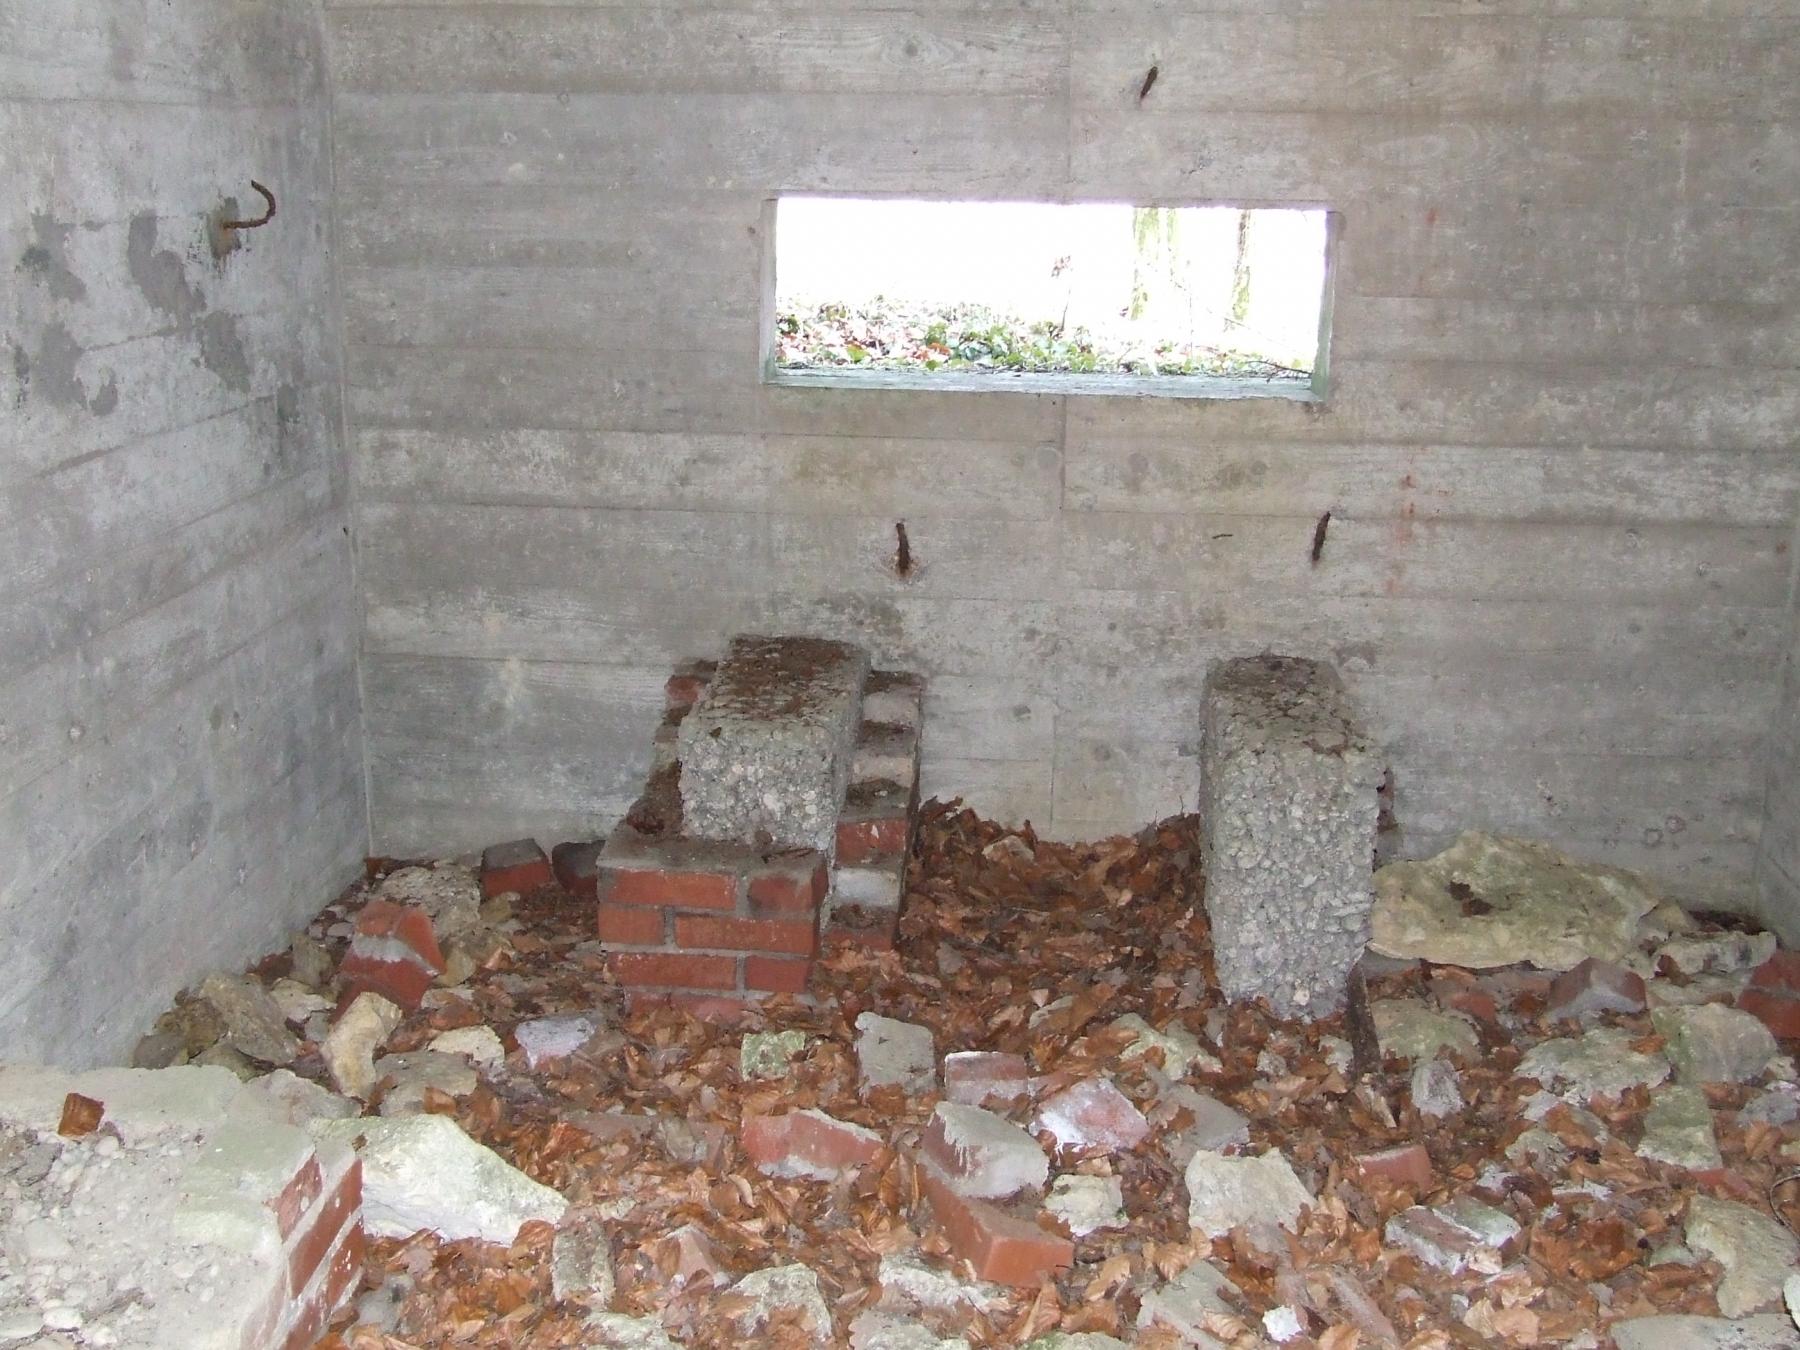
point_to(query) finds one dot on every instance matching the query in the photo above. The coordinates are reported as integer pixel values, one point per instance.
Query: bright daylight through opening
(1008, 288)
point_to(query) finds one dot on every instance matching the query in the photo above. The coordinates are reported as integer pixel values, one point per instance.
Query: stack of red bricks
(696, 920)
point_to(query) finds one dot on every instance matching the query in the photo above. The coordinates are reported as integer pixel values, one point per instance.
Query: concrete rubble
(939, 1143)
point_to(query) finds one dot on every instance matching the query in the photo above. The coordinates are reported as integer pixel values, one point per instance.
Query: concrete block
(1288, 811)
(765, 753)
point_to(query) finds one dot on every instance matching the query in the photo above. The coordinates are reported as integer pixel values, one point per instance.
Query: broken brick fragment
(80, 1116)
(808, 1144)
(1092, 1114)
(1403, 1165)
(1001, 1246)
(575, 865)
(984, 1077)
(394, 953)
(1773, 996)
(519, 866)
(1593, 987)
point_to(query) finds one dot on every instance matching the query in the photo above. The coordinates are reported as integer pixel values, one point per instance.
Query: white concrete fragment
(1087, 1204)
(1226, 1192)
(423, 1172)
(784, 1289)
(350, 1045)
(1758, 1252)
(894, 1053)
(552, 1038)
(481, 1046)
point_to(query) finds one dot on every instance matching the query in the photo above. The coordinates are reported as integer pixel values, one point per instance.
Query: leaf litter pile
(1014, 944)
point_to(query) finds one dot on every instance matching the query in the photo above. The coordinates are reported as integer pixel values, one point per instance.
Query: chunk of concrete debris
(1490, 900)
(448, 893)
(308, 961)
(1714, 1044)
(1076, 1340)
(581, 1265)
(545, 1040)
(877, 1330)
(986, 1078)
(409, 1077)
(1193, 1305)
(1592, 988)
(892, 1053)
(394, 953)
(770, 1054)
(1758, 1252)
(1087, 1204)
(285, 1096)
(1192, 1121)
(984, 1156)
(254, 1023)
(1229, 1192)
(617, 1331)
(1181, 1050)
(786, 1292)
(423, 1173)
(223, 1056)
(1600, 1063)
(481, 1046)
(1436, 1089)
(1411, 1029)
(1092, 1115)
(297, 1002)
(159, 1050)
(808, 1144)
(1463, 1235)
(1678, 1129)
(908, 1282)
(1283, 1324)
(1716, 953)
(1773, 1331)
(350, 1045)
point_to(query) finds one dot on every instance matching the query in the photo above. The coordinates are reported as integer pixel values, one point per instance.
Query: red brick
(1465, 997)
(1776, 1009)
(576, 868)
(678, 890)
(401, 982)
(791, 889)
(517, 866)
(793, 937)
(858, 840)
(319, 1233)
(384, 920)
(977, 1077)
(632, 925)
(673, 970)
(80, 1116)
(342, 1276)
(806, 1143)
(1780, 971)
(1000, 1245)
(777, 974)
(1594, 986)
(296, 1197)
(1406, 1165)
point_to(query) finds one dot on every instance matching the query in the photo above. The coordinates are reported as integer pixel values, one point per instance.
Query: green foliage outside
(889, 335)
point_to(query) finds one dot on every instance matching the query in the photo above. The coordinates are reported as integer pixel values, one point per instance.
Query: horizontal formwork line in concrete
(1412, 402)
(1123, 10)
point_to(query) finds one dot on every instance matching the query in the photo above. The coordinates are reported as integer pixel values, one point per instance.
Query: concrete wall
(1778, 861)
(1558, 451)
(180, 756)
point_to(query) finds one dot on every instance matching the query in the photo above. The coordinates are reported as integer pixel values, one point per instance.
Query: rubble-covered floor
(1016, 945)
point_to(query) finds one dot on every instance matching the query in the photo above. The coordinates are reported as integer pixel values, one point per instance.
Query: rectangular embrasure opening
(1088, 297)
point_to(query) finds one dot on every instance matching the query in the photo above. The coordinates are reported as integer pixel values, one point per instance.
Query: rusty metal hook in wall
(261, 220)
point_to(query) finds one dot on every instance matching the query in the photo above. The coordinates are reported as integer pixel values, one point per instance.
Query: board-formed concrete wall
(1778, 861)
(1558, 450)
(180, 754)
